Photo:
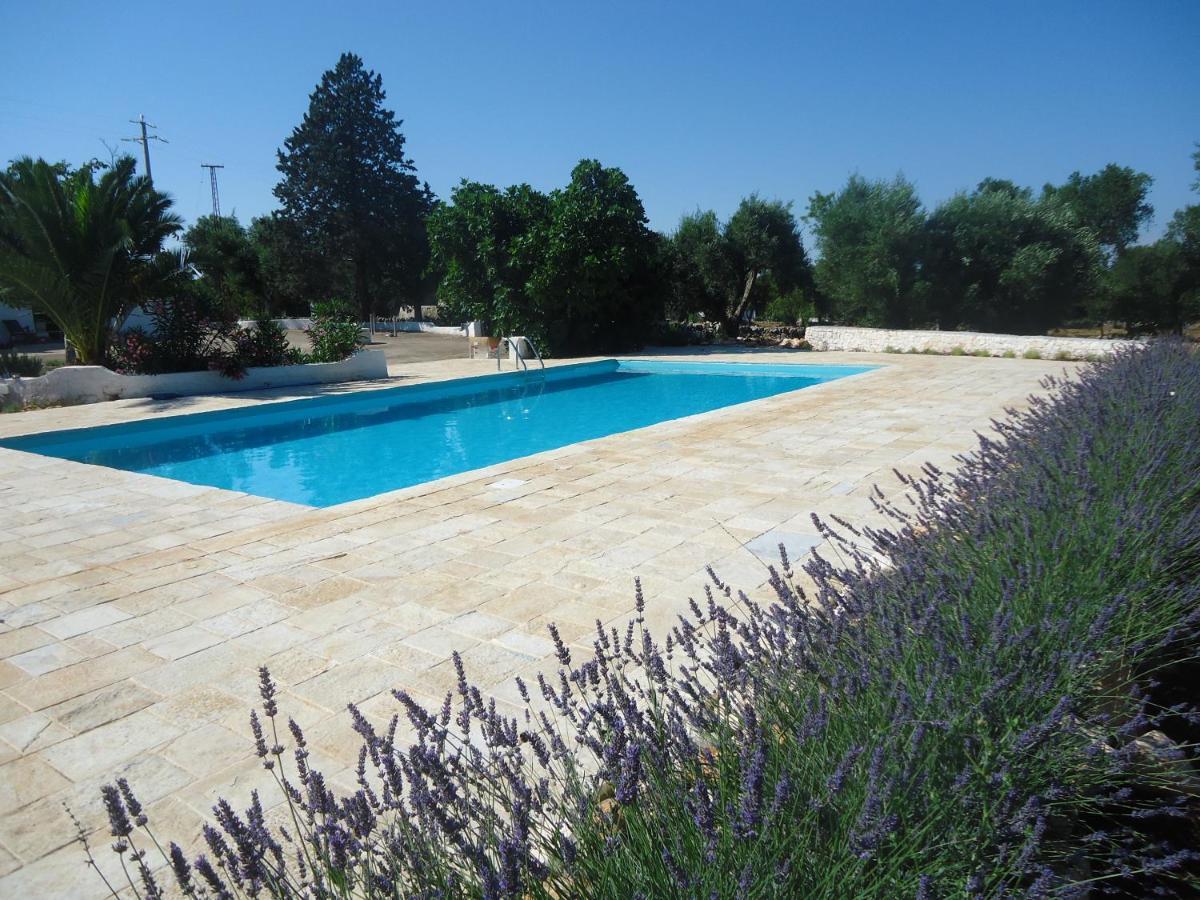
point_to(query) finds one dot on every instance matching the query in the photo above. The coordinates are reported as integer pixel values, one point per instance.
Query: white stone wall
(836, 337)
(382, 326)
(92, 384)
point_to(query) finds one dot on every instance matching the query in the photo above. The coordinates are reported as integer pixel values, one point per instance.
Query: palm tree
(81, 251)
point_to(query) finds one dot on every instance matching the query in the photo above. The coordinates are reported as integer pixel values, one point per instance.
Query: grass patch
(1032, 354)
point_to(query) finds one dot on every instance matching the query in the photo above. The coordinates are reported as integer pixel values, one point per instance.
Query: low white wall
(837, 337)
(91, 384)
(302, 324)
(386, 326)
(381, 326)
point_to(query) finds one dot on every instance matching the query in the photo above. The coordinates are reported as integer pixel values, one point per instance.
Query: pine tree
(350, 193)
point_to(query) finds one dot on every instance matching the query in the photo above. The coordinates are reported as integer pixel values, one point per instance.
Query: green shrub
(22, 364)
(1008, 354)
(958, 351)
(190, 332)
(266, 344)
(790, 308)
(986, 353)
(335, 333)
(1063, 355)
(1032, 354)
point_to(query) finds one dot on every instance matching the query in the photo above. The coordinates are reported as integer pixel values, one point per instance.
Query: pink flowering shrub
(192, 335)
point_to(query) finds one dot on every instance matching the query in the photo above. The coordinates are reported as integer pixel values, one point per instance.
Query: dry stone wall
(837, 337)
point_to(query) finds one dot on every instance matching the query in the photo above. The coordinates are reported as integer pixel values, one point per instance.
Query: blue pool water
(329, 450)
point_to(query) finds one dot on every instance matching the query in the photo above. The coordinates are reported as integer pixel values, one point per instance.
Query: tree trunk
(733, 323)
(751, 277)
(360, 286)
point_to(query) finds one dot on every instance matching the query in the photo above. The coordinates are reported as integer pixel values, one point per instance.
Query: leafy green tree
(1004, 186)
(221, 250)
(485, 245)
(597, 280)
(726, 270)
(351, 194)
(84, 251)
(1112, 203)
(1183, 235)
(763, 237)
(576, 270)
(289, 271)
(997, 260)
(869, 235)
(701, 273)
(1152, 289)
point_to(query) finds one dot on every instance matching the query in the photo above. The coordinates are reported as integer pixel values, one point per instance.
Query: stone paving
(134, 611)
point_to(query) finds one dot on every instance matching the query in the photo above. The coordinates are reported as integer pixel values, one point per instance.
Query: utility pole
(212, 175)
(145, 140)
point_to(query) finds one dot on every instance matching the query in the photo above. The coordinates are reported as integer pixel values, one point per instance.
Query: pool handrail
(516, 349)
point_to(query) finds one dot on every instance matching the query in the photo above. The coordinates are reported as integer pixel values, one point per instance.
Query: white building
(24, 316)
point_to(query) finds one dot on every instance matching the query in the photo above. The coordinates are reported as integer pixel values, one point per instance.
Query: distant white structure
(23, 316)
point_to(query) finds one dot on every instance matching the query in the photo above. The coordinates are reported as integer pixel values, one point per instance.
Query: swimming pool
(330, 450)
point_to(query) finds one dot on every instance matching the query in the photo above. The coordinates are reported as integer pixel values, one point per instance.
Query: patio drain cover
(506, 484)
(766, 546)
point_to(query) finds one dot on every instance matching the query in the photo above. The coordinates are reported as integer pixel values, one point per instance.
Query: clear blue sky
(700, 103)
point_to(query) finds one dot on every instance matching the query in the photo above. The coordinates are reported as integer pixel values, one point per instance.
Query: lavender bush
(1003, 708)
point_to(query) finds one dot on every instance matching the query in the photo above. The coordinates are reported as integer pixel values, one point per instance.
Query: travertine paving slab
(134, 611)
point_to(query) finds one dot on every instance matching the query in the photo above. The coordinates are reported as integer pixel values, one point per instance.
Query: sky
(699, 103)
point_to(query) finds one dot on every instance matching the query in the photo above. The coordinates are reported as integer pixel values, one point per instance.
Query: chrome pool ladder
(516, 349)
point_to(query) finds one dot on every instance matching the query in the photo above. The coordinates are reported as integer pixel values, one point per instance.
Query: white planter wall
(92, 384)
(837, 337)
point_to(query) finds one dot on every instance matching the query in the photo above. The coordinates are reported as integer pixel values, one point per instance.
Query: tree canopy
(574, 269)
(997, 260)
(869, 236)
(351, 194)
(221, 250)
(484, 245)
(1112, 203)
(83, 250)
(724, 271)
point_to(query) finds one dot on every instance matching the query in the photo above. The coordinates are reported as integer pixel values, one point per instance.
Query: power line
(145, 140)
(212, 174)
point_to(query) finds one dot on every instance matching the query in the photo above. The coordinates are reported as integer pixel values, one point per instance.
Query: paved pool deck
(134, 611)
